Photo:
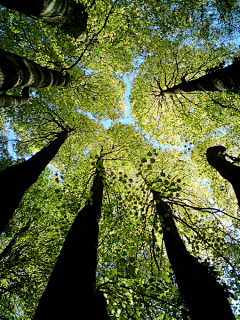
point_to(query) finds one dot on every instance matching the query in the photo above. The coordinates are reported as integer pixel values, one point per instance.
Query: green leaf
(130, 270)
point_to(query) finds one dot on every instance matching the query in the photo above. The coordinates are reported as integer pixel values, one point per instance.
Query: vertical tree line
(71, 290)
(205, 298)
(15, 180)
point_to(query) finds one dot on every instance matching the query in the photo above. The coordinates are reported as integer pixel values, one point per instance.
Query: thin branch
(92, 39)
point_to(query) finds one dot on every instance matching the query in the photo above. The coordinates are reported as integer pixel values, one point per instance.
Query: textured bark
(227, 170)
(48, 10)
(54, 12)
(223, 79)
(12, 101)
(15, 180)
(205, 298)
(15, 101)
(70, 292)
(16, 71)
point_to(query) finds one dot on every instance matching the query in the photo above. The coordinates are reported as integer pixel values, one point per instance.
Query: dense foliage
(152, 142)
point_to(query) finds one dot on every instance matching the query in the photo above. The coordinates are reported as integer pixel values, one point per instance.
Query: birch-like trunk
(12, 101)
(71, 290)
(15, 180)
(229, 171)
(219, 80)
(71, 16)
(16, 71)
(204, 296)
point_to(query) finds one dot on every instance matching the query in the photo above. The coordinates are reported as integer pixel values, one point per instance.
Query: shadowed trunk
(227, 170)
(205, 298)
(101, 306)
(71, 16)
(15, 101)
(12, 101)
(219, 80)
(71, 290)
(15, 180)
(16, 71)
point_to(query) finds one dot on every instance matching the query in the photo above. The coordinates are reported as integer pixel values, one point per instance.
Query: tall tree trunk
(15, 101)
(12, 101)
(219, 80)
(15, 180)
(71, 290)
(230, 172)
(100, 306)
(16, 71)
(71, 16)
(204, 296)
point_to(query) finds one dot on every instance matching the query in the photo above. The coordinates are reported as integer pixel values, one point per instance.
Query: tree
(71, 290)
(203, 295)
(217, 80)
(216, 158)
(70, 15)
(15, 180)
(147, 42)
(15, 101)
(20, 72)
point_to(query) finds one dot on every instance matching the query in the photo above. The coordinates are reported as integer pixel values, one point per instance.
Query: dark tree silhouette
(16, 71)
(69, 15)
(216, 157)
(15, 180)
(205, 298)
(71, 290)
(218, 80)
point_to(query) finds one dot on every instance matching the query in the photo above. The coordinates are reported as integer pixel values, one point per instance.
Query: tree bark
(227, 170)
(15, 101)
(48, 10)
(71, 16)
(12, 101)
(71, 290)
(16, 71)
(205, 298)
(219, 80)
(15, 180)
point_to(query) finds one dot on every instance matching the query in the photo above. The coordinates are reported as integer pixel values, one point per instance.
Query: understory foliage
(148, 142)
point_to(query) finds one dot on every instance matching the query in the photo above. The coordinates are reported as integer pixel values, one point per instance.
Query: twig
(92, 39)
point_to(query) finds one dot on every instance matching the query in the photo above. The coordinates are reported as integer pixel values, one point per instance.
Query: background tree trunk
(219, 80)
(48, 10)
(71, 16)
(16, 71)
(15, 180)
(15, 101)
(204, 296)
(70, 292)
(12, 101)
(227, 170)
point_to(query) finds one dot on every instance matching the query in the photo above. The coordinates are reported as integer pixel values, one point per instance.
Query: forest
(119, 162)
